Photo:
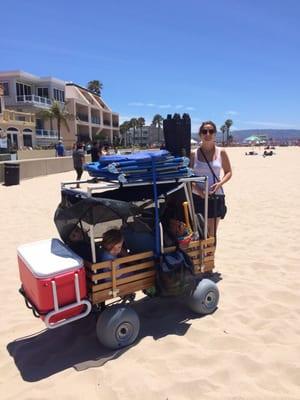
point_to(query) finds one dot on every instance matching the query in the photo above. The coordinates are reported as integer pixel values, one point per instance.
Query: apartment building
(93, 117)
(90, 116)
(148, 135)
(16, 128)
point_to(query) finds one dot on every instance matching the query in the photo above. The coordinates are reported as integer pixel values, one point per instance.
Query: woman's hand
(216, 186)
(199, 192)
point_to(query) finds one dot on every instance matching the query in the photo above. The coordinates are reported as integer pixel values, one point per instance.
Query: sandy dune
(249, 349)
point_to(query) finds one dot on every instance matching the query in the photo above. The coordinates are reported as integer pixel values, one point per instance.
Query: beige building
(16, 128)
(24, 93)
(92, 117)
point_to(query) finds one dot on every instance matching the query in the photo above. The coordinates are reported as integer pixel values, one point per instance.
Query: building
(148, 135)
(89, 115)
(16, 128)
(92, 117)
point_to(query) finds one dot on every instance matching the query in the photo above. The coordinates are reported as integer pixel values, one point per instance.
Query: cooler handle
(58, 310)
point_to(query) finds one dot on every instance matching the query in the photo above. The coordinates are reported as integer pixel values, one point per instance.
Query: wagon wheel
(205, 297)
(117, 326)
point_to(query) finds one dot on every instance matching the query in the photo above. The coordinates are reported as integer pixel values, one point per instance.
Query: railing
(32, 98)
(82, 117)
(115, 124)
(46, 134)
(106, 122)
(18, 116)
(96, 120)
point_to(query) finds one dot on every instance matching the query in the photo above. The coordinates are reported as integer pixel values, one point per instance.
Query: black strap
(214, 197)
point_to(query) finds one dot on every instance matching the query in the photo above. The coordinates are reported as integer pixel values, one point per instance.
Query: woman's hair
(207, 123)
(111, 238)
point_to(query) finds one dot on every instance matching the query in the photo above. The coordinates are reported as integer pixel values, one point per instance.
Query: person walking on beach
(95, 152)
(78, 161)
(209, 160)
(60, 149)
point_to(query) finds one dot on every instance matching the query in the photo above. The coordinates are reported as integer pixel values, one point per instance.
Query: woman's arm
(227, 172)
(226, 167)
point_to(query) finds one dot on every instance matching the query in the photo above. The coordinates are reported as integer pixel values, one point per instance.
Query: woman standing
(210, 160)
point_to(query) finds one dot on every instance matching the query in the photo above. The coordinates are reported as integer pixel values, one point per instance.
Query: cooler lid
(48, 258)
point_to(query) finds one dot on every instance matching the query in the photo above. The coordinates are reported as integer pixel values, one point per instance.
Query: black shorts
(216, 205)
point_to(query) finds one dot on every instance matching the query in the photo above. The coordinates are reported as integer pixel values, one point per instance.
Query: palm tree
(59, 113)
(157, 122)
(228, 124)
(95, 86)
(223, 130)
(133, 124)
(141, 122)
(124, 128)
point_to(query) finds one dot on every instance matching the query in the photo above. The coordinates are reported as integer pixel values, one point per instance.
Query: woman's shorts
(216, 205)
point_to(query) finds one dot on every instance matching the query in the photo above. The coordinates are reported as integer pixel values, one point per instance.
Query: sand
(249, 349)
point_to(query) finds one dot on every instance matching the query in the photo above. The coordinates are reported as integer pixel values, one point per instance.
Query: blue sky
(237, 59)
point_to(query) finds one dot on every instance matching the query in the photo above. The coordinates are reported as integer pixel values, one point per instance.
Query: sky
(212, 59)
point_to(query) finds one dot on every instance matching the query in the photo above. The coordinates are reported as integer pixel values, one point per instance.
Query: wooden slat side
(134, 257)
(137, 267)
(120, 281)
(135, 277)
(100, 265)
(98, 297)
(121, 271)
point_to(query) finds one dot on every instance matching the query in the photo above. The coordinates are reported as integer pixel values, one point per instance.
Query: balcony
(18, 117)
(115, 124)
(35, 100)
(106, 122)
(46, 134)
(96, 120)
(82, 117)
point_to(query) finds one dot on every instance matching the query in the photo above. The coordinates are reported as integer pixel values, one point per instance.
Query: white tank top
(201, 168)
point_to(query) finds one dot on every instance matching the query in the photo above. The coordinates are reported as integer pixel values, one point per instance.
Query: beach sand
(249, 349)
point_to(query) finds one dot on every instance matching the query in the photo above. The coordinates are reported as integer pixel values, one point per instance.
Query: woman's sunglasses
(207, 131)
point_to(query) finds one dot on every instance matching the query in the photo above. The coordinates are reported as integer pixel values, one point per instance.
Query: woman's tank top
(201, 168)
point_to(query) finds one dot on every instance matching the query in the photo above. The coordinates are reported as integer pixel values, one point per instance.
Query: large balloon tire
(117, 326)
(204, 299)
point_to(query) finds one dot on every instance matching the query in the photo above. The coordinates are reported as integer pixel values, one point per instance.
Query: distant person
(209, 160)
(60, 149)
(116, 150)
(105, 151)
(95, 154)
(78, 161)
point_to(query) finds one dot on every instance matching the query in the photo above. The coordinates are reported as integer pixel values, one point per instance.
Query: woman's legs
(79, 174)
(212, 226)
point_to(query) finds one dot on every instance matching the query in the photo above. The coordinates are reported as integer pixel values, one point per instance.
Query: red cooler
(53, 281)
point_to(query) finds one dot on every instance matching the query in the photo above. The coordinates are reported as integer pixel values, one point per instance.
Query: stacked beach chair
(140, 167)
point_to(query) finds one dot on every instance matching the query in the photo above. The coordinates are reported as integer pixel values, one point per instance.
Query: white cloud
(165, 106)
(231, 112)
(270, 125)
(190, 108)
(178, 106)
(151, 105)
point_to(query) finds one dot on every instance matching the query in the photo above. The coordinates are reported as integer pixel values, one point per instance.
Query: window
(5, 88)
(23, 90)
(43, 92)
(59, 95)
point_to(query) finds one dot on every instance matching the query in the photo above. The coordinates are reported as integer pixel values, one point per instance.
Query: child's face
(76, 235)
(116, 249)
(176, 227)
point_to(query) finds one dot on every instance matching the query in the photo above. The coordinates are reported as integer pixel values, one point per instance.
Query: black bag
(175, 275)
(216, 206)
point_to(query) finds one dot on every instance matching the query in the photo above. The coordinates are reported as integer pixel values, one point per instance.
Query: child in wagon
(112, 245)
